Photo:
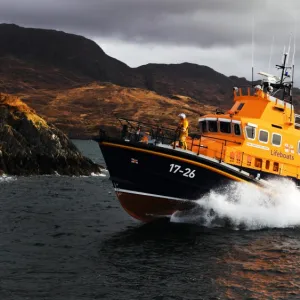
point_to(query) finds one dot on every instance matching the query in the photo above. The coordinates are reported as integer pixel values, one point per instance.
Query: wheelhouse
(224, 126)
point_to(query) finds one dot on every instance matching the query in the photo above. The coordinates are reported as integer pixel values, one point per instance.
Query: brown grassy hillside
(79, 111)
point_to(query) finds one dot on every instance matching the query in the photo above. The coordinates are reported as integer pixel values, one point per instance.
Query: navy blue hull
(148, 176)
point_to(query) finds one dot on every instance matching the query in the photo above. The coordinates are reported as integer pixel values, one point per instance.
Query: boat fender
(257, 176)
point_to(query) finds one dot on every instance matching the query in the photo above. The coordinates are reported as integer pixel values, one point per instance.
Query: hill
(42, 58)
(78, 111)
(62, 55)
(70, 81)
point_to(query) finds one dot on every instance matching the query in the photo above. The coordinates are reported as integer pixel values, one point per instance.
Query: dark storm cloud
(204, 23)
(216, 33)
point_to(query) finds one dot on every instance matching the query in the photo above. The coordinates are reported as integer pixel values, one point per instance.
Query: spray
(245, 206)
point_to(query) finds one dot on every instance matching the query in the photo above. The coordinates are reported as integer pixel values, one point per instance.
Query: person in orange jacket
(183, 126)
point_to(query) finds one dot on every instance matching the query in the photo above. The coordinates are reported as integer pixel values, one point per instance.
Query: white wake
(5, 178)
(247, 206)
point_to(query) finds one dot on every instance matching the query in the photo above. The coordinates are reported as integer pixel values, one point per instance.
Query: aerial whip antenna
(293, 68)
(252, 48)
(271, 53)
(283, 54)
(289, 49)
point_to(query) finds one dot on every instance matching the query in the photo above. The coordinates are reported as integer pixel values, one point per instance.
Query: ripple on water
(68, 238)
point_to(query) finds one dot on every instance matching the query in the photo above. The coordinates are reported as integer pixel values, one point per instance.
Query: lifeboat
(258, 138)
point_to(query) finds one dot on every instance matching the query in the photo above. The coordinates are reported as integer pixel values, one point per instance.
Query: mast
(284, 74)
(283, 67)
(293, 73)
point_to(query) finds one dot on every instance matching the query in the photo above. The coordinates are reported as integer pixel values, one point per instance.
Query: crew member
(183, 130)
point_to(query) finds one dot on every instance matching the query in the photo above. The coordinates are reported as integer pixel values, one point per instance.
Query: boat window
(203, 126)
(263, 136)
(212, 126)
(240, 106)
(276, 139)
(225, 127)
(250, 132)
(275, 166)
(237, 129)
(267, 164)
(258, 162)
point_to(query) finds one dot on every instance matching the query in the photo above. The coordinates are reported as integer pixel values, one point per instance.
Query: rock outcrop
(30, 146)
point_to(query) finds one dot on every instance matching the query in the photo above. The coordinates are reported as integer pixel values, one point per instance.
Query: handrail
(164, 135)
(225, 140)
(146, 124)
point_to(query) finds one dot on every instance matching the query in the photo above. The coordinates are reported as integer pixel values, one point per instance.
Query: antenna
(271, 52)
(283, 54)
(289, 48)
(293, 67)
(293, 60)
(252, 48)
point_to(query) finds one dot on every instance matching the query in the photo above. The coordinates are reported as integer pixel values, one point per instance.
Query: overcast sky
(216, 33)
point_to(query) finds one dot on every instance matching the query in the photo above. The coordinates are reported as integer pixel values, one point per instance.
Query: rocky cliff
(30, 146)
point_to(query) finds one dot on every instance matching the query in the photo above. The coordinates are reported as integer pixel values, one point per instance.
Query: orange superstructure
(259, 133)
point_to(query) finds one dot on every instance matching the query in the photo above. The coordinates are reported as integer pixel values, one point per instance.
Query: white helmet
(183, 116)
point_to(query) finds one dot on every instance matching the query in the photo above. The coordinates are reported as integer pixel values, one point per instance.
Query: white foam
(93, 175)
(247, 206)
(98, 175)
(5, 178)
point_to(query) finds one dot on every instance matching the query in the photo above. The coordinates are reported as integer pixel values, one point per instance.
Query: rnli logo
(289, 148)
(282, 155)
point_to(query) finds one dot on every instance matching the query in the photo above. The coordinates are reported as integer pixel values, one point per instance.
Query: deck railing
(227, 150)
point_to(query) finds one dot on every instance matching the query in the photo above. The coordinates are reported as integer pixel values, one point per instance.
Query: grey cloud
(205, 23)
(201, 24)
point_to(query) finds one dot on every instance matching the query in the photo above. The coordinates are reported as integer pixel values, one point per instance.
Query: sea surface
(68, 238)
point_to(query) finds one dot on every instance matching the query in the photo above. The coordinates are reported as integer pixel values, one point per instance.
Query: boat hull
(145, 207)
(152, 181)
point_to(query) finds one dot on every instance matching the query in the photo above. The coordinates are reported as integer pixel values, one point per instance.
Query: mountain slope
(199, 82)
(79, 111)
(72, 82)
(65, 52)
(47, 57)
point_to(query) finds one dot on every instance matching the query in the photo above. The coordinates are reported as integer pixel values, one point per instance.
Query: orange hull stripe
(177, 158)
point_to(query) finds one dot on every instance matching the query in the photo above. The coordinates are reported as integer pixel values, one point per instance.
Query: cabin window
(258, 162)
(263, 136)
(267, 164)
(250, 132)
(237, 129)
(276, 139)
(240, 106)
(275, 166)
(299, 147)
(203, 126)
(212, 126)
(249, 160)
(225, 127)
